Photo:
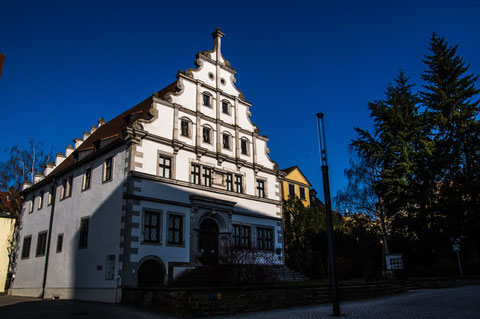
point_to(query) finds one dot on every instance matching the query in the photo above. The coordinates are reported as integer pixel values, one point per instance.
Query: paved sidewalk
(461, 302)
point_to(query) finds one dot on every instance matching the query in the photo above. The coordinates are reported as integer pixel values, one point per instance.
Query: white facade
(190, 177)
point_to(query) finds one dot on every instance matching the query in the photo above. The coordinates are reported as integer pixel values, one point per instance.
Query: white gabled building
(156, 190)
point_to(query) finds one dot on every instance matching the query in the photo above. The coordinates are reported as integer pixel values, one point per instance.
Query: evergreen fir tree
(450, 98)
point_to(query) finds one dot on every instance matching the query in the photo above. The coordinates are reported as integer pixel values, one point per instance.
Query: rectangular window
(291, 190)
(225, 107)
(67, 187)
(206, 99)
(107, 169)
(27, 241)
(302, 193)
(238, 184)
(261, 188)
(32, 203)
(196, 174)
(87, 176)
(59, 243)
(226, 141)
(184, 128)
(244, 146)
(264, 238)
(206, 135)
(151, 227)
(164, 166)
(175, 229)
(83, 233)
(41, 244)
(110, 267)
(229, 182)
(40, 200)
(241, 236)
(207, 176)
(50, 195)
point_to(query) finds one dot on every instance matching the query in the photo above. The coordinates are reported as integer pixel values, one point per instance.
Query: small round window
(222, 80)
(211, 76)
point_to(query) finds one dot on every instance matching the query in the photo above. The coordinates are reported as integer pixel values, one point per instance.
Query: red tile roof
(113, 129)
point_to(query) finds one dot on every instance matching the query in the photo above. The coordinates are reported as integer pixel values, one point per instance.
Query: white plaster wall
(29, 271)
(74, 267)
(163, 126)
(163, 250)
(188, 97)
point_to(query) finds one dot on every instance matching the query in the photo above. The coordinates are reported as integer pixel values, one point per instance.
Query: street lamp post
(328, 207)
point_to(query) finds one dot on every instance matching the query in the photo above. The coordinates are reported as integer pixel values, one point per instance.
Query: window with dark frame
(40, 200)
(151, 227)
(83, 233)
(110, 267)
(41, 244)
(225, 107)
(67, 187)
(238, 184)
(261, 188)
(108, 166)
(87, 176)
(175, 229)
(264, 238)
(206, 135)
(226, 141)
(27, 241)
(241, 236)
(165, 166)
(291, 190)
(59, 243)
(207, 176)
(195, 174)
(229, 182)
(185, 128)
(244, 146)
(302, 193)
(50, 195)
(206, 99)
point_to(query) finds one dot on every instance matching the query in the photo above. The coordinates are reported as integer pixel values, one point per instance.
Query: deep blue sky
(69, 63)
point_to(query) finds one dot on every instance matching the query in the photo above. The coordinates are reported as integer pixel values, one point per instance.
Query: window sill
(176, 245)
(150, 243)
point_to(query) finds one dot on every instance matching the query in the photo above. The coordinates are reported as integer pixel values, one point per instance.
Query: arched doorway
(208, 245)
(151, 273)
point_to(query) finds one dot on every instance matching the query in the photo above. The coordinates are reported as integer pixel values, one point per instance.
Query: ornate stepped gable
(124, 125)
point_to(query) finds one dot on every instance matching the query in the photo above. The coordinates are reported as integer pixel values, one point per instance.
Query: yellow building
(7, 224)
(295, 184)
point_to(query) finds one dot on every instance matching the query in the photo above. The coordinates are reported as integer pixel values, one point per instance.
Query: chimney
(78, 142)
(38, 177)
(59, 159)
(69, 150)
(49, 168)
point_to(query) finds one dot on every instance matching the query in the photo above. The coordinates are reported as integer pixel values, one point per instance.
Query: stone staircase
(228, 275)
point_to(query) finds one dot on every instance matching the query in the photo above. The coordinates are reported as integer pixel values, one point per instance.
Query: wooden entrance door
(208, 245)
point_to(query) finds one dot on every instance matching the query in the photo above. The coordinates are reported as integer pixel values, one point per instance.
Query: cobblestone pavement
(461, 302)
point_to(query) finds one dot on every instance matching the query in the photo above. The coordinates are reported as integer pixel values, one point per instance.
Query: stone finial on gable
(101, 121)
(86, 135)
(217, 43)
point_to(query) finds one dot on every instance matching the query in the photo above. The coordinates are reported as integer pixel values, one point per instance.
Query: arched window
(245, 146)
(207, 99)
(207, 132)
(151, 273)
(226, 141)
(185, 127)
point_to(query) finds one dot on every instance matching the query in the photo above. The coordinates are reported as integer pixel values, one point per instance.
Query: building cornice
(202, 187)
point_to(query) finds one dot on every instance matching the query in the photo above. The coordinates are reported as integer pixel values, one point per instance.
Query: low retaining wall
(228, 300)
(441, 282)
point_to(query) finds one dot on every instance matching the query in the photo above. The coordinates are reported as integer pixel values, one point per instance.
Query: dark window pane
(41, 244)
(59, 243)
(151, 227)
(175, 229)
(27, 241)
(291, 190)
(226, 141)
(83, 233)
